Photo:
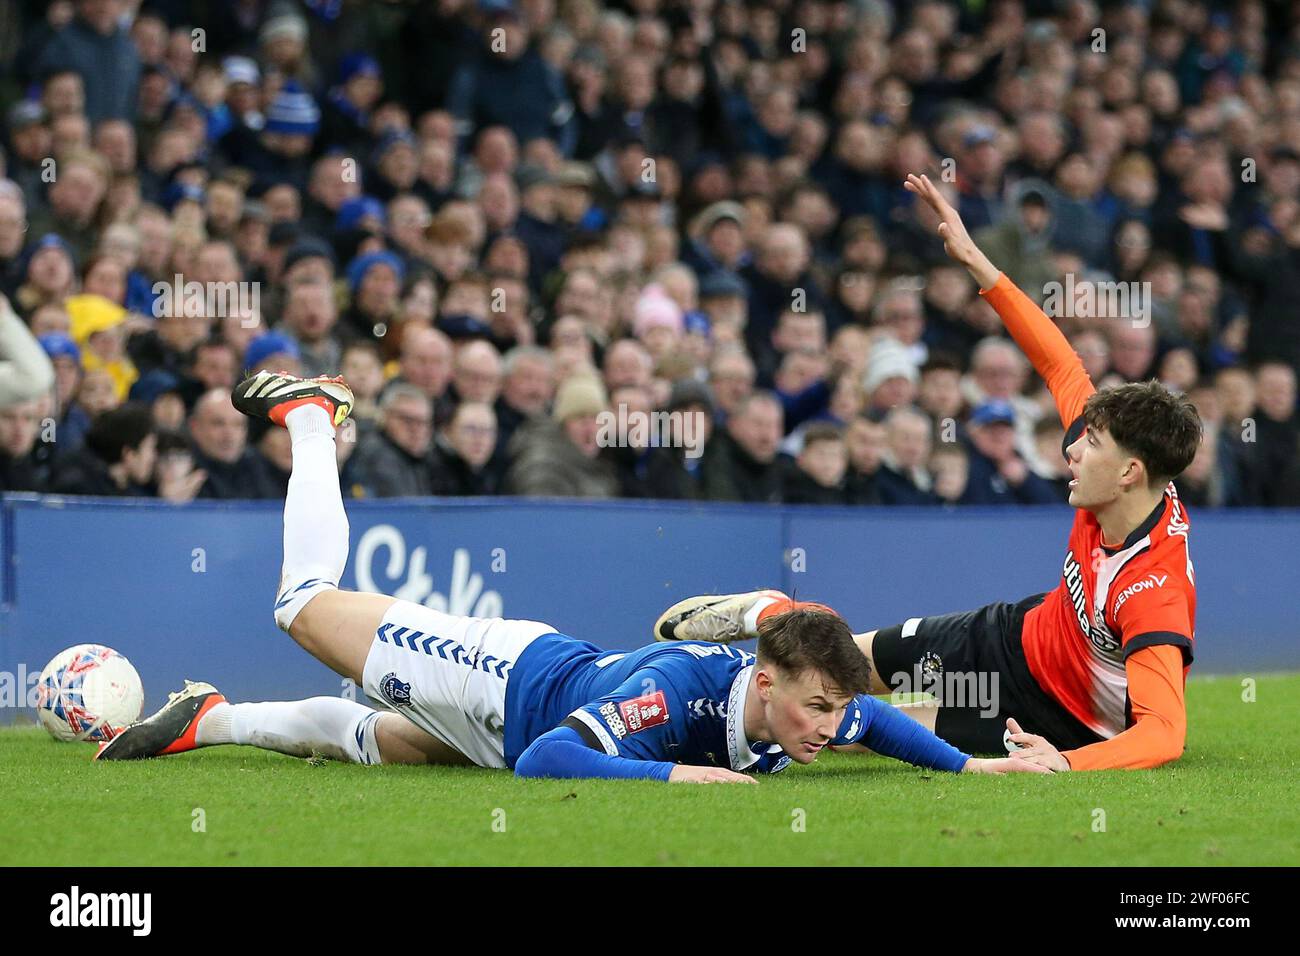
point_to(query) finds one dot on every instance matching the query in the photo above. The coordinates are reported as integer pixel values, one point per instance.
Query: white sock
(315, 524)
(758, 607)
(331, 726)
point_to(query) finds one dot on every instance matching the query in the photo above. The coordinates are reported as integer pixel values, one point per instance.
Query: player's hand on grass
(1001, 765)
(1035, 749)
(956, 240)
(686, 774)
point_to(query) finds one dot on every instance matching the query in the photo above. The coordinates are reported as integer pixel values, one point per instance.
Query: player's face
(1099, 469)
(802, 715)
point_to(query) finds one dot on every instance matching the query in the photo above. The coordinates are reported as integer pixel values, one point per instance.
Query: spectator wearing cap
(395, 164)
(283, 43)
(162, 393)
(29, 145)
(507, 82)
(99, 48)
(279, 153)
(243, 94)
(981, 164)
(394, 460)
(560, 456)
(717, 240)
(998, 474)
(345, 115)
(1022, 241)
(374, 286)
(48, 272)
(575, 201)
(724, 301)
(463, 452)
(308, 260)
(71, 421)
(741, 462)
(220, 436)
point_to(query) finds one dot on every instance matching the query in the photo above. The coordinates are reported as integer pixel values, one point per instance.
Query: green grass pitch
(1229, 801)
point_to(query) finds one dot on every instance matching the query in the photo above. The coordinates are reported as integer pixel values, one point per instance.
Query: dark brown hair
(1160, 429)
(808, 639)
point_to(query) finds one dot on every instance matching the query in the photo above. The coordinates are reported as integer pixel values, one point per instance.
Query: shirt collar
(739, 749)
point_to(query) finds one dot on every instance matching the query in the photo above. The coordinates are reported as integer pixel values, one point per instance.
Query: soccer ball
(88, 692)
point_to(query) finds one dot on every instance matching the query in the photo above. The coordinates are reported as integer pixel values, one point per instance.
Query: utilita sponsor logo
(75, 908)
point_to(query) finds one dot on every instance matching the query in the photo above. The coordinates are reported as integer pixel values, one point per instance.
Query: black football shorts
(973, 661)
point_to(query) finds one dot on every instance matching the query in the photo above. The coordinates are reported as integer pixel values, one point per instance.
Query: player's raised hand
(687, 774)
(956, 240)
(1034, 749)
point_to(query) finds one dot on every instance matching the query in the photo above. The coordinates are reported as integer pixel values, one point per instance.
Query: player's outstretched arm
(1037, 335)
(888, 731)
(563, 753)
(1159, 731)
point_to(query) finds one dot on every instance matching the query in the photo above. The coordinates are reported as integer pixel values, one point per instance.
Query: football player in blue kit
(515, 694)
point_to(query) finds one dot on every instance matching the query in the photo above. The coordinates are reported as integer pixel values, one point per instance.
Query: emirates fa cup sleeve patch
(644, 712)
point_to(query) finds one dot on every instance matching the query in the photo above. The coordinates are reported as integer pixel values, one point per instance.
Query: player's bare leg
(878, 685)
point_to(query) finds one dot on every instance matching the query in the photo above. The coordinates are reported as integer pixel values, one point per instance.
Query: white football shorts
(448, 674)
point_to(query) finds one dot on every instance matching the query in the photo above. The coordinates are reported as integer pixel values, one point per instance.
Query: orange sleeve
(1039, 338)
(1155, 690)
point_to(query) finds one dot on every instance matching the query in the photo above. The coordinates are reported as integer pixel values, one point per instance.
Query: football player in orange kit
(1098, 665)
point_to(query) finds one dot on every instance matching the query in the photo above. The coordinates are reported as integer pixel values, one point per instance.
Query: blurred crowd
(518, 227)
